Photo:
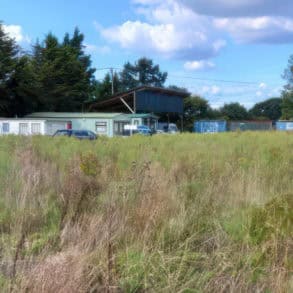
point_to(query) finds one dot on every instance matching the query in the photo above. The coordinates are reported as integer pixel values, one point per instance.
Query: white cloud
(236, 8)
(262, 85)
(147, 2)
(198, 65)
(246, 95)
(215, 90)
(196, 29)
(263, 29)
(249, 21)
(15, 32)
(210, 90)
(170, 30)
(90, 48)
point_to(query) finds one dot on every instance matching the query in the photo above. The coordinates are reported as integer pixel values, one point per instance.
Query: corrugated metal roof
(72, 115)
(159, 89)
(141, 115)
(22, 119)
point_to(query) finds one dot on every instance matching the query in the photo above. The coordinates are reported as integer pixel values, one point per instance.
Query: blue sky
(201, 43)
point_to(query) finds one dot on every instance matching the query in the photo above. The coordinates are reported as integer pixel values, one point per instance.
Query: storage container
(210, 126)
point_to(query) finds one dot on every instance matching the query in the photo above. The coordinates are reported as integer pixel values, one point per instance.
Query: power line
(111, 69)
(193, 77)
(216, 80)
(107, 68)
(236, 83)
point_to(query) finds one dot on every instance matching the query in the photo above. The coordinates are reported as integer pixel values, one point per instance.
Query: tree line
(59, 76)
(55, 76)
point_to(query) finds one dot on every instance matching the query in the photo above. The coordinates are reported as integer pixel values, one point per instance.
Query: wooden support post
(127, 106)
(134, 101)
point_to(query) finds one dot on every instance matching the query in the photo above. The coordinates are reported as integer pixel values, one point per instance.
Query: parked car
(80, 134)
(164, 127)
(137, 129)
(145, 130)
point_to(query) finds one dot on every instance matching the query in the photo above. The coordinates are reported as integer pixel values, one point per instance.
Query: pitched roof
(72, 115)
(154, 89)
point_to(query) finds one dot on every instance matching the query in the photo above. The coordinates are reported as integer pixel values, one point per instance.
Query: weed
(188, 213)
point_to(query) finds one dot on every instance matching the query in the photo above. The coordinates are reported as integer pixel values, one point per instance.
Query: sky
(224, 50)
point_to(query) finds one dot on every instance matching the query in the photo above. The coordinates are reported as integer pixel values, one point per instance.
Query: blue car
(139, 129)
(142, 129)
(79, 134)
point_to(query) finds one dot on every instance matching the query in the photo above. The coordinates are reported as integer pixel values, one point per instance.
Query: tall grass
(184, 213)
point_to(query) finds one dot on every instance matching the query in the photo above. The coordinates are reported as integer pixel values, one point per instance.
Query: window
(23, 128)
(119, 127)
(36, 128)
(101, 127)
(5, 127)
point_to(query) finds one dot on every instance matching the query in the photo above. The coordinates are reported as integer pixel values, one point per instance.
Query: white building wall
(22, 126)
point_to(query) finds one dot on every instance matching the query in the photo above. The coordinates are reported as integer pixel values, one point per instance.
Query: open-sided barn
(143, 99)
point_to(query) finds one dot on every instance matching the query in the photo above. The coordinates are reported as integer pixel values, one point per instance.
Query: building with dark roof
(143, 99)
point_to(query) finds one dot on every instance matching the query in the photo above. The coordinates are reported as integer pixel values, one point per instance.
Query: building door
(119, 127)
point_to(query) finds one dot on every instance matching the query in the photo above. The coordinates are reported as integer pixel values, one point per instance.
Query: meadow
(170, 213)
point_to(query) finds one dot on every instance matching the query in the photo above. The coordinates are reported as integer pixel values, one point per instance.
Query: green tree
(103, 89)
(268, 109)
(142, 72)
(195, 108)
(24, 88)
(8, 60)
(288, 74)
(287, 105)
(177, 88)
(65, 75)
(234, 111)
(287, 97)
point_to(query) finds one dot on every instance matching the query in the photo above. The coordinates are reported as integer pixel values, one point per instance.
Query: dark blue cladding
(157, 102)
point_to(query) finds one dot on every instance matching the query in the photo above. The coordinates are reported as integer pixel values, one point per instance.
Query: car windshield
(91, 133)
(62, 133)
(173, 128)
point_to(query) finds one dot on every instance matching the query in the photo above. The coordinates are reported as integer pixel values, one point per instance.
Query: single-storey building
(109, 124)
(22, 126)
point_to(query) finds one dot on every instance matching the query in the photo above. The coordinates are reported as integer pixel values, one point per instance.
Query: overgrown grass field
(183, 213)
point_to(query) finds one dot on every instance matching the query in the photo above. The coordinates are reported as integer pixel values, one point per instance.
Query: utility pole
(112, 79)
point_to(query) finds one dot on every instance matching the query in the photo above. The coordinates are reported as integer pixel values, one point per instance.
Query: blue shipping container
(284, 125)
(210, 126)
